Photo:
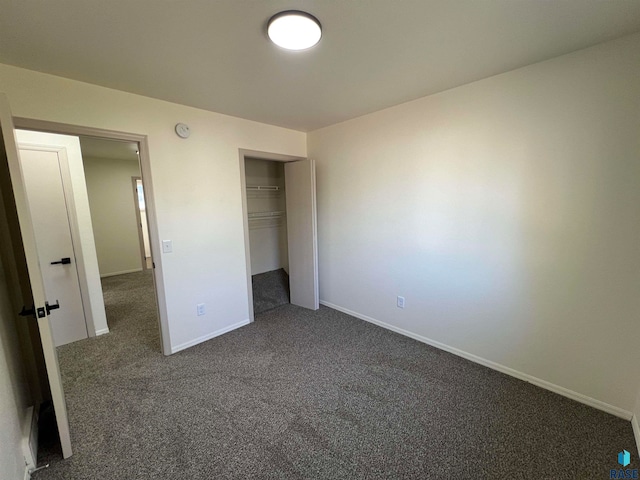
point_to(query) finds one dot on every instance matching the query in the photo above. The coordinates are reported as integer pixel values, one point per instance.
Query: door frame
(147, 183)
(274, 157)
(136, 203)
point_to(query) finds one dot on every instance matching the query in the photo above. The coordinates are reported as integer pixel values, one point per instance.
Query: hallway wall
(113, 214)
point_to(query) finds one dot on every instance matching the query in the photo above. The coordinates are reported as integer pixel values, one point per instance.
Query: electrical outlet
(400, 302)
(200, 309)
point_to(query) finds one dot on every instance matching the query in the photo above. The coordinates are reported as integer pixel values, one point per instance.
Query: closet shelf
(266, 220)
(257, 215)
(268, 188)
(264, 191)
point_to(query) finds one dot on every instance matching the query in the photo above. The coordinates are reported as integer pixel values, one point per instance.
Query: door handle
(28, 312)
(62, 261)
(51, 307)
(35, 312)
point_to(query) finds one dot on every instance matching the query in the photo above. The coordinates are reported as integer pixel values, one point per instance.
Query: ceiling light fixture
(294, 30)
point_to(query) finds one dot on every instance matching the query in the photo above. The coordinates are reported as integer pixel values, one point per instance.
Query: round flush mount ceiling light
(294, 30)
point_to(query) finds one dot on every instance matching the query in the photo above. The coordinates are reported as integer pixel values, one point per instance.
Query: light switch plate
(167, 246)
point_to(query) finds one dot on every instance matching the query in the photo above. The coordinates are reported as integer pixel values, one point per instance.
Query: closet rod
(272, 188)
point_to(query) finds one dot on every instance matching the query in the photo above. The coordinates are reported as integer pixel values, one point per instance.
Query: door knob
(28, 312)
(62, 261)
(51, 307)
(36, 312)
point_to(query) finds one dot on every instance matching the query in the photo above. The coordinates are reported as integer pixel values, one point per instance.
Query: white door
(35, 276)
(43, 170)
(300, 188)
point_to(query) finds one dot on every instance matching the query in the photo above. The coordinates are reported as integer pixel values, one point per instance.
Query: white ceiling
(214, 54)
(108, 149)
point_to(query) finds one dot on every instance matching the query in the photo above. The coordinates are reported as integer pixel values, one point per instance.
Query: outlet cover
(200, 309)
(400, 302)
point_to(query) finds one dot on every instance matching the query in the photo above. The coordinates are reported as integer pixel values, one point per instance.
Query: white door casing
(43, 170)
(35, 276)
(300, 188)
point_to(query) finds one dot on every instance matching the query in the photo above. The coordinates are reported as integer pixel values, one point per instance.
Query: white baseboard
(102, 331)
(113, 274)
(30, 440)
(565, 392)
(209, 336)
(636, 431)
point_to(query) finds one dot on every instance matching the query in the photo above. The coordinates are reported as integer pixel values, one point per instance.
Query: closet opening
(266, 216)
(279, 209)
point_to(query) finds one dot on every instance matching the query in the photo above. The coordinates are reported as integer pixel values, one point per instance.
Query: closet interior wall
(266, 209)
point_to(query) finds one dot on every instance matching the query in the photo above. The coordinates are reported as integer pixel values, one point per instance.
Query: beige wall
(196, 184)
(113, 215)
(506, 212)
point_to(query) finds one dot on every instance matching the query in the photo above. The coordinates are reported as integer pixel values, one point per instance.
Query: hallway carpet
(311, 395)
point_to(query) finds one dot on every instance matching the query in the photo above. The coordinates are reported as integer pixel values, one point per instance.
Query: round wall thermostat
(182, 129)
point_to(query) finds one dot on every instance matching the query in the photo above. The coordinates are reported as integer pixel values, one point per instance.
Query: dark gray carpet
(270, 290)
(314, 395)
